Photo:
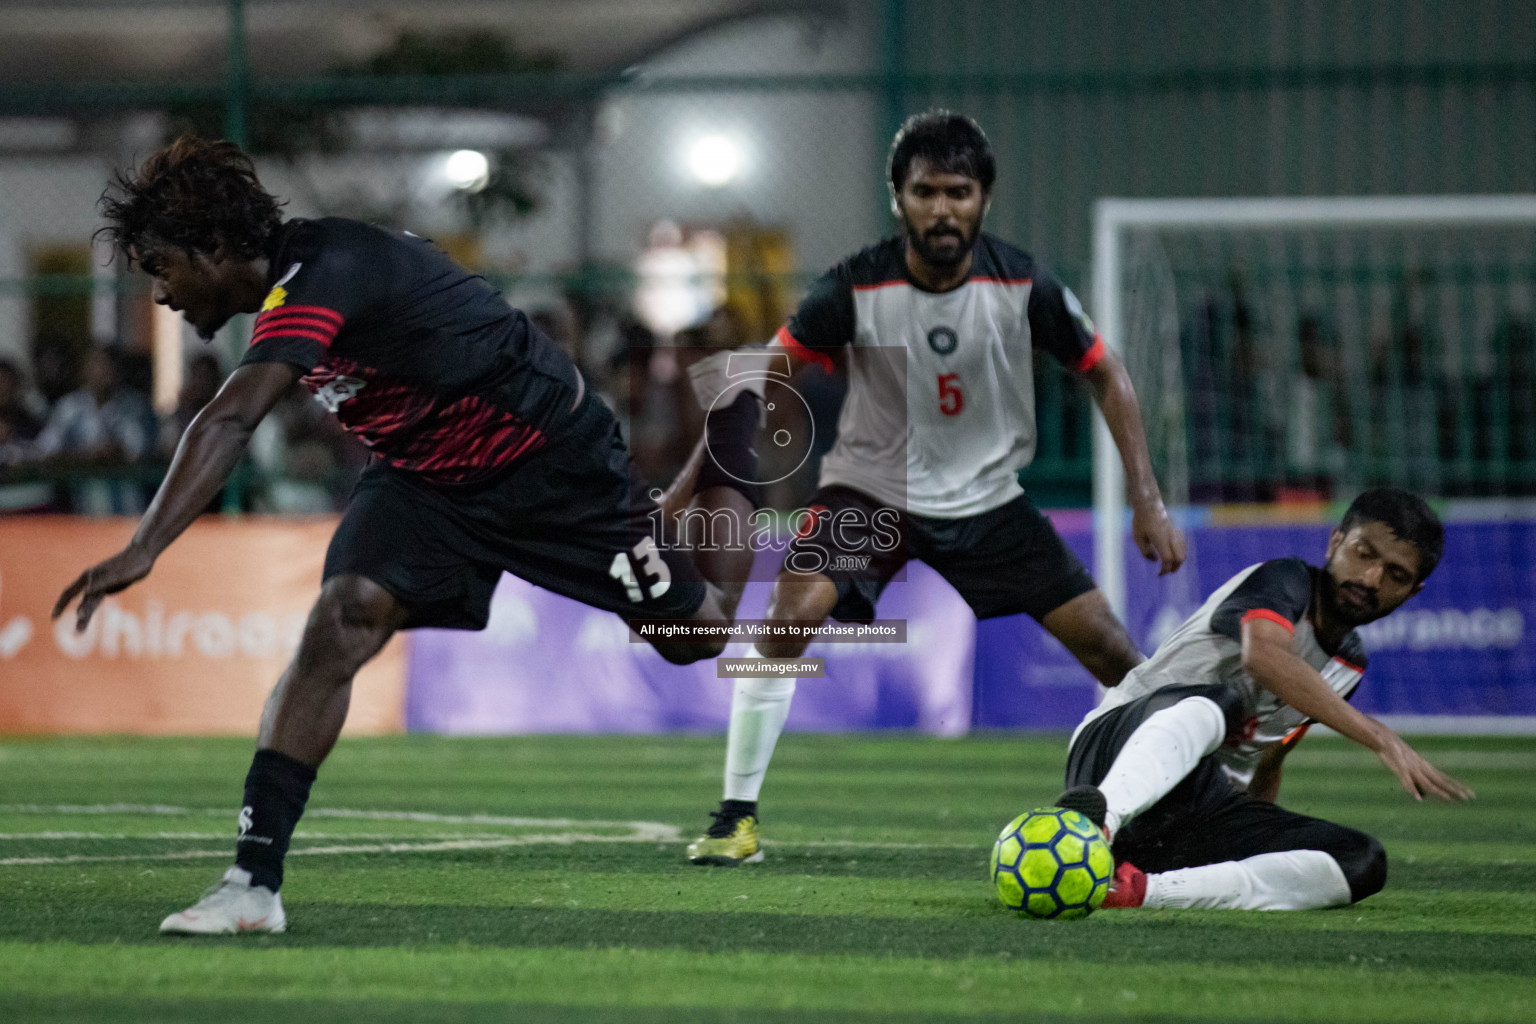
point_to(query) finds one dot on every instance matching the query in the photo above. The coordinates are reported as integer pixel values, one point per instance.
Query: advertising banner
(193, 649)
(549, 664)
(1460, 648)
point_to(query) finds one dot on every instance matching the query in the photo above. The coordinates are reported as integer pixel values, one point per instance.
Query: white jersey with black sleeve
(940, 414)
(1207, 649)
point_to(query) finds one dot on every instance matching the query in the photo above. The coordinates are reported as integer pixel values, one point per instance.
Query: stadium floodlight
(468, 170)
(715, 160)
(1357, 263)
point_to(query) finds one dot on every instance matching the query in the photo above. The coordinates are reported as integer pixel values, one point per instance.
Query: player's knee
(801, 600)
(1088, 628)
(354, 611)
(1364, 863)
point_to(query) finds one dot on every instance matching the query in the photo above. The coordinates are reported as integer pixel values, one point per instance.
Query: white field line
(553, 838)
(636, 832)
(338, 812)
(221, 836)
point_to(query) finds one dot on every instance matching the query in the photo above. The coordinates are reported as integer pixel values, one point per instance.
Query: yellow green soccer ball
(1051, 862)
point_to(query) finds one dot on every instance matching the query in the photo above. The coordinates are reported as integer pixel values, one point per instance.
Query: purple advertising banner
(548, 664)
(1460, 648)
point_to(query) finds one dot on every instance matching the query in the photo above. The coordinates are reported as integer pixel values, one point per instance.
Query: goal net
(1289, 353)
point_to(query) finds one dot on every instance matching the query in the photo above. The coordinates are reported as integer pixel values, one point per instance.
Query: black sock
(731, 461)
(276, 789)
(739, 808)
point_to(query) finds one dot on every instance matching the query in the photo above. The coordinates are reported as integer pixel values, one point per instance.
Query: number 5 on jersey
(951, 398)
(647, 559)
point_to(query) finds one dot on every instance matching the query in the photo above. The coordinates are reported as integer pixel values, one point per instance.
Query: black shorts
(572, 518)
(1206, 819)
(1003, 562)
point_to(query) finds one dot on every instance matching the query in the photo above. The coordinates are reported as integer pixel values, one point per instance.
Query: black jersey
(422, 360)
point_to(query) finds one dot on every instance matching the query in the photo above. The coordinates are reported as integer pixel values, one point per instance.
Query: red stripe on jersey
(1294, 736)
(879, 284)
(315, 323)
(302, 319)
(320, 311)
(786, 339)
(1004, 280)
(1351, 665)
(1092, 356)
(280, 331)
(417, 431)
(1276, 617)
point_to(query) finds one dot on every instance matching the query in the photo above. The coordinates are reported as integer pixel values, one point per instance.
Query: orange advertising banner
(193, 649)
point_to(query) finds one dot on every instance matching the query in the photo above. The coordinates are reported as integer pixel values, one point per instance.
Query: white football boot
(232, 906)
(719, 378)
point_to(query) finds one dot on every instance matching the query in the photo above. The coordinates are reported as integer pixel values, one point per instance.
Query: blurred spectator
(201, 383)
(17, 421)
(103, 426)
(306, 461)
(1317, 427)
(556, 324)
(1229, 380)
(625, 345)
(1506, 410)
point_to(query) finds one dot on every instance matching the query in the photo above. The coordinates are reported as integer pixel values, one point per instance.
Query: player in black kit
(490, 455)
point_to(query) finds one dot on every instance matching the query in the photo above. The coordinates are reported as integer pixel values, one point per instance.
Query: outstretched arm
(1155, 534)
(207, 454)
(1269, 659)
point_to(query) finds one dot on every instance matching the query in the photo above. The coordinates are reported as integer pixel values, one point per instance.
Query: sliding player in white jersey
(1181, 763)
(936, 330)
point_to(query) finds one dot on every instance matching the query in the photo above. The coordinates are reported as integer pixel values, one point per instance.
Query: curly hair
(195, 193)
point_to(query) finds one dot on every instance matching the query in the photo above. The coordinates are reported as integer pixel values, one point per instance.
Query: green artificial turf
(543, 879)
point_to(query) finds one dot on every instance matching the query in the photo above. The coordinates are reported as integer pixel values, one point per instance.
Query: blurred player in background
(1181, 763)
(936, 328)
(490, 455)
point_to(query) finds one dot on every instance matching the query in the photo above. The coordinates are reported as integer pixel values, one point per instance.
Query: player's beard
(943, 258)
(1350, 602)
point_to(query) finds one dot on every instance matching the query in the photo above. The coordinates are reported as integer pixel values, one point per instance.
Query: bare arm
(1155, 534)
(1269, 659)
(207, 454)
(1265, 784)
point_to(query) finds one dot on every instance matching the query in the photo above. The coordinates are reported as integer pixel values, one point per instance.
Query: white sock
(1293, 880)
(759, 708)
(1162, 750)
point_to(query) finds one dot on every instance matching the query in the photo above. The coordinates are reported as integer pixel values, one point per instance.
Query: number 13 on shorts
(647, 559)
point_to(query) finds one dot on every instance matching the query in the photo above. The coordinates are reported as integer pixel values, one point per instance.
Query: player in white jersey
(936, 329)
(1180, 765)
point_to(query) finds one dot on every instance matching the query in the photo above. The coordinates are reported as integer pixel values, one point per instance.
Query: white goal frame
(1112, 218)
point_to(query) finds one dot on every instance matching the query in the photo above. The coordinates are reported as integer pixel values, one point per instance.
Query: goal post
(1446, 254)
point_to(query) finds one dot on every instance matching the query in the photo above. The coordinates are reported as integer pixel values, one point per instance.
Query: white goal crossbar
(1112, 218)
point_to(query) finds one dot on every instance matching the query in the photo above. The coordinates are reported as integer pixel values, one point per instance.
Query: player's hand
(120, 571)
(1158, 539)
(1418, 776)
